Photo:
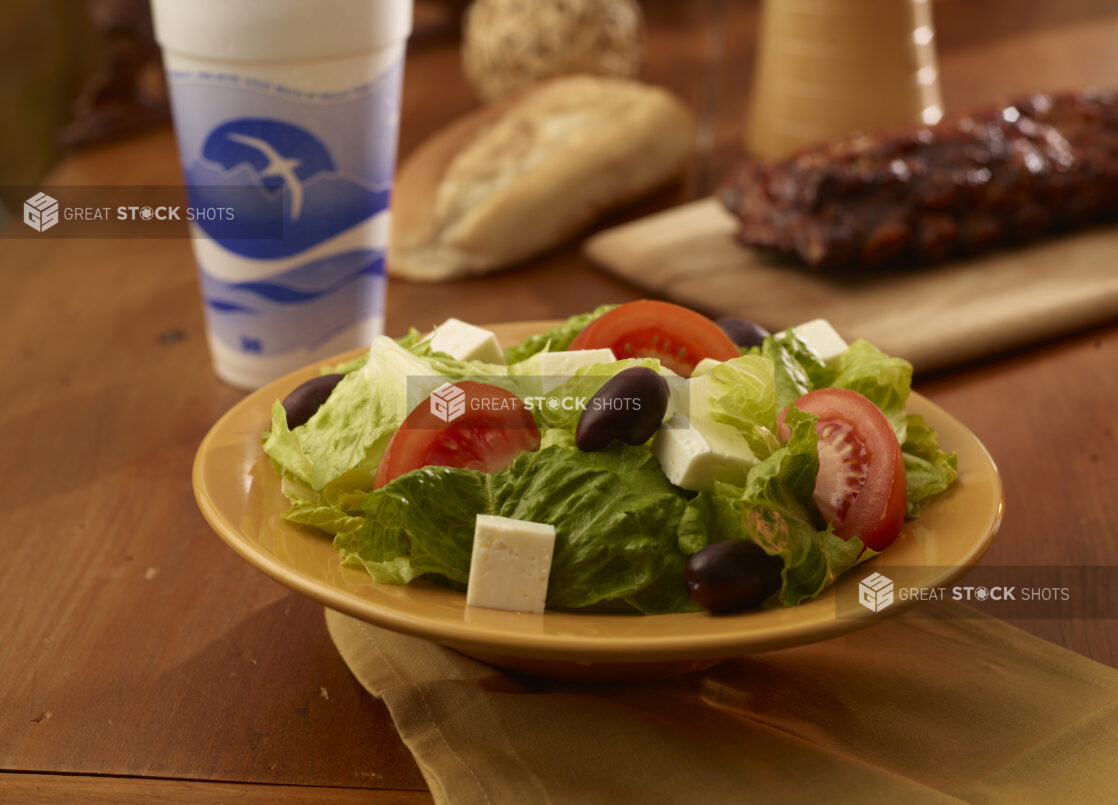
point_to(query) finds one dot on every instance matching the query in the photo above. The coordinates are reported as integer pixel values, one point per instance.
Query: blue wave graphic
(222, 306)
(262, 224)
(285, 294)
(302, 307)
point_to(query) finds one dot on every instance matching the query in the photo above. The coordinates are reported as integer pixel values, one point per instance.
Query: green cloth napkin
(912, 710)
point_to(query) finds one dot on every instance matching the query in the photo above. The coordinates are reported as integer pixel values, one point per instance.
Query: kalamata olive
(629, 407)
(742, 332)
(301, 404)
(732, 576)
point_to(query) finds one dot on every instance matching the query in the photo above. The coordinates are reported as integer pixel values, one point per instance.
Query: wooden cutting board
(933, 316)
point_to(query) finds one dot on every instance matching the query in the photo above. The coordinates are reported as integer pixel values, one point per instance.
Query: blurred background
(73, 72)
(79, 72)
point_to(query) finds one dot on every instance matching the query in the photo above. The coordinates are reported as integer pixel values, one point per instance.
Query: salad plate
(240, 496)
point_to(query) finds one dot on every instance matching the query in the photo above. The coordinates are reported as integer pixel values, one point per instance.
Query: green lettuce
(743, 394)
(322, 516)
(883, 379)
(346, 367)
(348, 433)
(409, 341)
(284, 448)
(557, 338)
(774, 510)
(797, 369)
(616, 518)
(624, 532)
(352, 547)
(886, 381)
(337, 450)
(928, 470)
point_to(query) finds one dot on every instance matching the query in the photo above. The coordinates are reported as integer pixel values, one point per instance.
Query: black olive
(301, 404)
(628, 407)
(732, 576)
(742, 332)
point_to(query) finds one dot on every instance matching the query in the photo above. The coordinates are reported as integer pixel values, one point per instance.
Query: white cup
(286, 113)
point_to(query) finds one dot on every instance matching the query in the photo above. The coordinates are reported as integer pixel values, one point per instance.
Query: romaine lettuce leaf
(351, 547)
(797, 369)
(886, 381)
(323, 516)
(337, 450)
(350, 431)
(615, 514)
(774, 510)
(557, 338)
(454, 369)
(284, 449)
(346, 367)
(408, 341)
(928, 469)
(883, 379)
(744, 396)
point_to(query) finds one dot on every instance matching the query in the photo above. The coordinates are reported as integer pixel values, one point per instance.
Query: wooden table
(142, 661)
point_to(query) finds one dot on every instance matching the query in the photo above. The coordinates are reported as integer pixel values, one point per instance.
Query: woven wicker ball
(508, 44)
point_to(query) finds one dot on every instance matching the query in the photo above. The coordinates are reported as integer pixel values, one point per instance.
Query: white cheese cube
(694, 450)
(556, 368)
(680, 449)
(467, 342)
(510, 564)
(705, 367)
(695, 457)
(821, 338)
(678, 393)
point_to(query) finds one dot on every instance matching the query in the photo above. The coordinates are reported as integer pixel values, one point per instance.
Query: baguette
(520, 176)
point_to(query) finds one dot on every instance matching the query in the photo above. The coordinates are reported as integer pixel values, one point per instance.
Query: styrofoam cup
(287, 112)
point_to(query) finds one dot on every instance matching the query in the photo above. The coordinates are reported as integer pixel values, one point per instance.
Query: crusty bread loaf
(520, 176)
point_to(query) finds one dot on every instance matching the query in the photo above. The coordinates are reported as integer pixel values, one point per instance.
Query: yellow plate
(239, 494)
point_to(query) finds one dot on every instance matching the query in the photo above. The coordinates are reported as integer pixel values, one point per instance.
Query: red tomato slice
(493, 428)
(860, 487)
(679, 337)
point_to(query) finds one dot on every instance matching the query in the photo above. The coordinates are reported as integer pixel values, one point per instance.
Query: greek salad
(638, 458)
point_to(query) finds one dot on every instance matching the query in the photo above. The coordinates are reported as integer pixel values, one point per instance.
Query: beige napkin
(912, 710)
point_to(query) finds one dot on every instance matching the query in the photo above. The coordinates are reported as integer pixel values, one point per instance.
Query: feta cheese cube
(694, 450)
(821, 338)
(510, 564)
(678, 393)
(695, 457)
(467, 342)
(556, 367)
(680, 449)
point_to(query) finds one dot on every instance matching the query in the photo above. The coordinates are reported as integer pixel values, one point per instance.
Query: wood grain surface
(133, 644)
(39, 789)
(933, 316)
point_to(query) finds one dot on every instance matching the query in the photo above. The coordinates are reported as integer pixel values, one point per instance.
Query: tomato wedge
(466, 424)
(860, 487)
(679, 337)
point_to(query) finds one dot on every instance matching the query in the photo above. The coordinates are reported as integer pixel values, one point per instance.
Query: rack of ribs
(1046, 164)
